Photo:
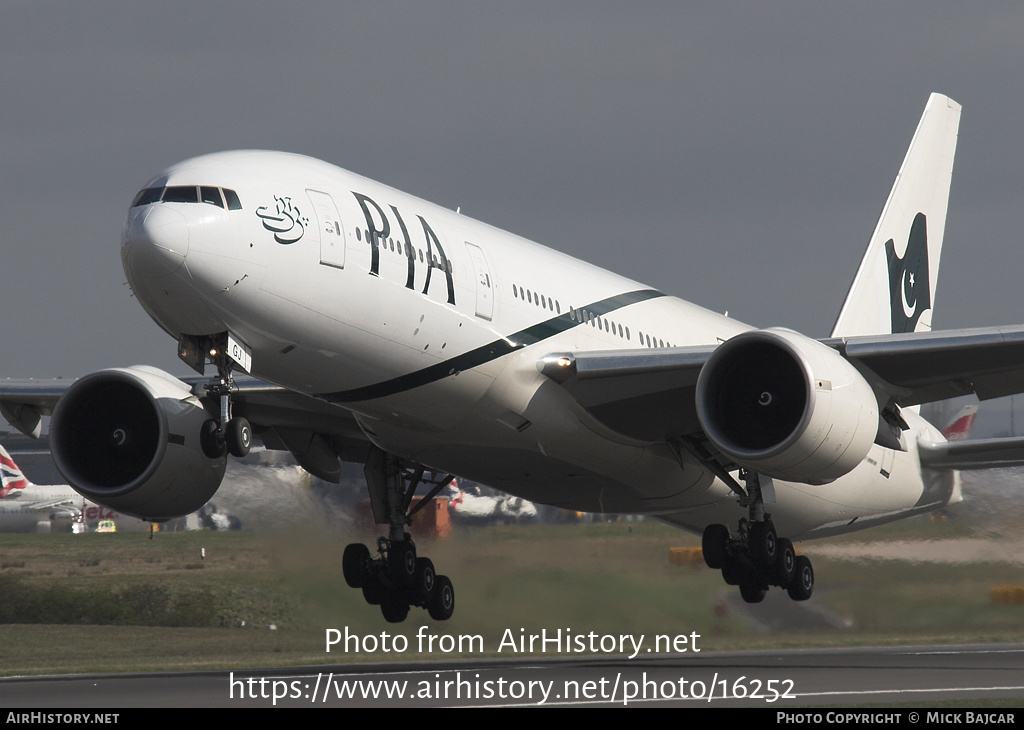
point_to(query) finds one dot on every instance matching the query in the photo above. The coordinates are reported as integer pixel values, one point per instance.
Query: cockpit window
(189, 194)
(232, 197)
(180, 194)
(211, 196)
(147, 196)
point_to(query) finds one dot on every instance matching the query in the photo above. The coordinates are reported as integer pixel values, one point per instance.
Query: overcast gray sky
(733, 154)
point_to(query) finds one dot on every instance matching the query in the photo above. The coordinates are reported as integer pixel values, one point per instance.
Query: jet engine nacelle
(786, 406)
(129, 439)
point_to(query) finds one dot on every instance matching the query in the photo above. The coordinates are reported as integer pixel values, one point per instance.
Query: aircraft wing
(317, 433)
(645, 394)
(650, 394)
(923, 367)
(24, 402)
(44, 505)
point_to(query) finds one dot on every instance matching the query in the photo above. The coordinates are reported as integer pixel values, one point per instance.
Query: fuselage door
(484, 286)
(332, 234)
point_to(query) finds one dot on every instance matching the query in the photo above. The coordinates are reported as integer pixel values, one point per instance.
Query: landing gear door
(332, 236)
(484, 285)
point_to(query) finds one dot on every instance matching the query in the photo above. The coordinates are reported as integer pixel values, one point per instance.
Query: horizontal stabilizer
(975, 454)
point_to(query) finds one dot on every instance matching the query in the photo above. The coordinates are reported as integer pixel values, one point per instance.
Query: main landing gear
(397, 578)
(757, 557)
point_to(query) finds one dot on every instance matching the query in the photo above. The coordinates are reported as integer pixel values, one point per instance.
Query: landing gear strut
(757, 557)
(397, 578)
(231, 434)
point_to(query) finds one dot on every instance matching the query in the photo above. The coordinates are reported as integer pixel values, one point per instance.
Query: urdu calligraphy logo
(285, 221)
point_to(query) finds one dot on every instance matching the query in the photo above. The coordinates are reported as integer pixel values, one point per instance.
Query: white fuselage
(430, 333)
(39, 507)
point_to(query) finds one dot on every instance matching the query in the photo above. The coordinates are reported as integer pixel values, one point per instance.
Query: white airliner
(28, 507)
(469, 504)
(391, 332)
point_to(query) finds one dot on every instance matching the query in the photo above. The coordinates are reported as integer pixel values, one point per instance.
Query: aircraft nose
(154, 241)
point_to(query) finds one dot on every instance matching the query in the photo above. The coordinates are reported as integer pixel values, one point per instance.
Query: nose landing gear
(227, 434)
(231, 433)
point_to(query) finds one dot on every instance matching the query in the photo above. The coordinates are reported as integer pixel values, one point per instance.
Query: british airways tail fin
(11, 477)
(959, 427)
(894, 288)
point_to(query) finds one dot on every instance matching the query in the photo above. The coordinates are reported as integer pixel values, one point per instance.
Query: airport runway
(776, 680)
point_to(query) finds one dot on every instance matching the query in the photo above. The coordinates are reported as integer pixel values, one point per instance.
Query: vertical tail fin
(10, 475)
(894, 288)
(959, 427)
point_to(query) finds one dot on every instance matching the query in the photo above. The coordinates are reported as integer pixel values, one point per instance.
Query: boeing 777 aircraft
(391, 332)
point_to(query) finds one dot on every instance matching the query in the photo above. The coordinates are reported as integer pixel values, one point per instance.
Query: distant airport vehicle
(106, 526)
(394, 333)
